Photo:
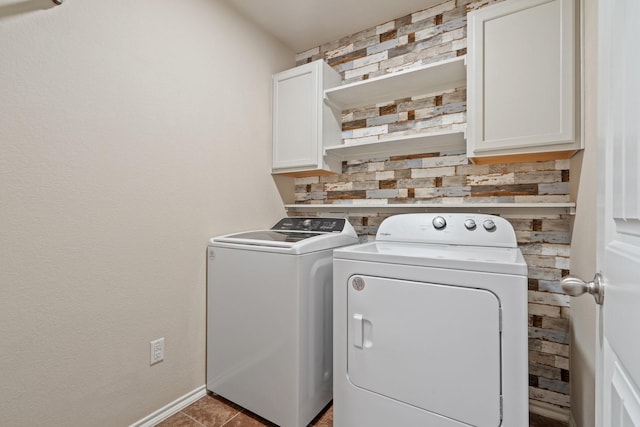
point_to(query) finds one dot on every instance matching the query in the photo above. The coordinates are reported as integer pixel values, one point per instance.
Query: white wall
(583, 243)
(123, 125)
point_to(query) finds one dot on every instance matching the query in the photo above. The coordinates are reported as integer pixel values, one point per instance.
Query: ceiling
(305, 24)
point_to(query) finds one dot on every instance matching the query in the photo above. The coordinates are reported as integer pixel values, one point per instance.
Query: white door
(618, 388)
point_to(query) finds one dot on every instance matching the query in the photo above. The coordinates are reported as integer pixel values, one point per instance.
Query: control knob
(470, 224)
(489, 225)
(439, 223)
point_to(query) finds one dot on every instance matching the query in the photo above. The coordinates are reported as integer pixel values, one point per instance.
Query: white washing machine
(269, 317)
(430, 325)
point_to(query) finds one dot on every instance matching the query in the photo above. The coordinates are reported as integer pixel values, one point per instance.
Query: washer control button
(489, 225)
(470, 224)
(439, 223)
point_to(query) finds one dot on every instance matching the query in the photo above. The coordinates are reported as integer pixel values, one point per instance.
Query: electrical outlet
(157, 351)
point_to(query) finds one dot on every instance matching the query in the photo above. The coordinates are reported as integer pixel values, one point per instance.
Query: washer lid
(293, 236)
(261, 236)
(454, 257)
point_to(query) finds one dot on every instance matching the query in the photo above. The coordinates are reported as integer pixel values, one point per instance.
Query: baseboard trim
(549, 411)
(171, 408)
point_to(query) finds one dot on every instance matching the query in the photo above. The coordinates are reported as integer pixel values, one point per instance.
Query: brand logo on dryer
(358, 283)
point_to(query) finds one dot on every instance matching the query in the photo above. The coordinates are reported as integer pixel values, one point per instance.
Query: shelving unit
(361, 208)
(421, 80)
(399, 146)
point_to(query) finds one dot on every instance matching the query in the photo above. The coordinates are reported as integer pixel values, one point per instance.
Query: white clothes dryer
(430, 325)
(269, 317)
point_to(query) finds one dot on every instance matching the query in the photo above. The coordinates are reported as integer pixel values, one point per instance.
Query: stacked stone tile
(444, 178)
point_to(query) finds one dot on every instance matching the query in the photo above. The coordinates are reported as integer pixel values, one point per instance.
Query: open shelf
(362, 207)
(420, 80)
(399, 146)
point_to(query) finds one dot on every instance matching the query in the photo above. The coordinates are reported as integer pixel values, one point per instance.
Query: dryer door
(431, 346)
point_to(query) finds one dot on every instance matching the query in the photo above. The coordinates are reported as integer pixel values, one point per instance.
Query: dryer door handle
(362, 330)
(358, 331)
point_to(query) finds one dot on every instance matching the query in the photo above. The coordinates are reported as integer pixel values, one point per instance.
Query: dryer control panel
(450, 229)
(325, 225)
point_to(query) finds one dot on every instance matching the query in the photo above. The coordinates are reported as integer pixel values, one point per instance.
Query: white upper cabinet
(522, 81)
(302, 124)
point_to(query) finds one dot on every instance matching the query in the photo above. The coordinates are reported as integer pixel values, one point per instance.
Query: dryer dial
(439, 223)
(470, 224)
(489, 225)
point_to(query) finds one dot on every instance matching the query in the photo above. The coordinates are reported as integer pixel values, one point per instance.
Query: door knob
(575, 287)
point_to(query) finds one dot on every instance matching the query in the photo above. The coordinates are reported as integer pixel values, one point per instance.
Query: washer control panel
(326, 225)
(452, 228)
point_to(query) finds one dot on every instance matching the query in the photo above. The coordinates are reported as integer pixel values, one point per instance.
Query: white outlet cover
(156, 351)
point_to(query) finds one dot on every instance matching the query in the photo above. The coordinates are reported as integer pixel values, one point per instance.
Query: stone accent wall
(442, 178)
(426, 36)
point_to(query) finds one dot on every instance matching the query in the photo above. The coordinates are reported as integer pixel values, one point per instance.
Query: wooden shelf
(358, 207)
(420, 80)
(399, 146)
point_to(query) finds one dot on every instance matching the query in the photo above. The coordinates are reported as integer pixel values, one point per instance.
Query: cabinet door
(296, 101)
(522, 78)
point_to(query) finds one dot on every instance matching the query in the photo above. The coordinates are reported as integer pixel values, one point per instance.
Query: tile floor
(214, 411)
